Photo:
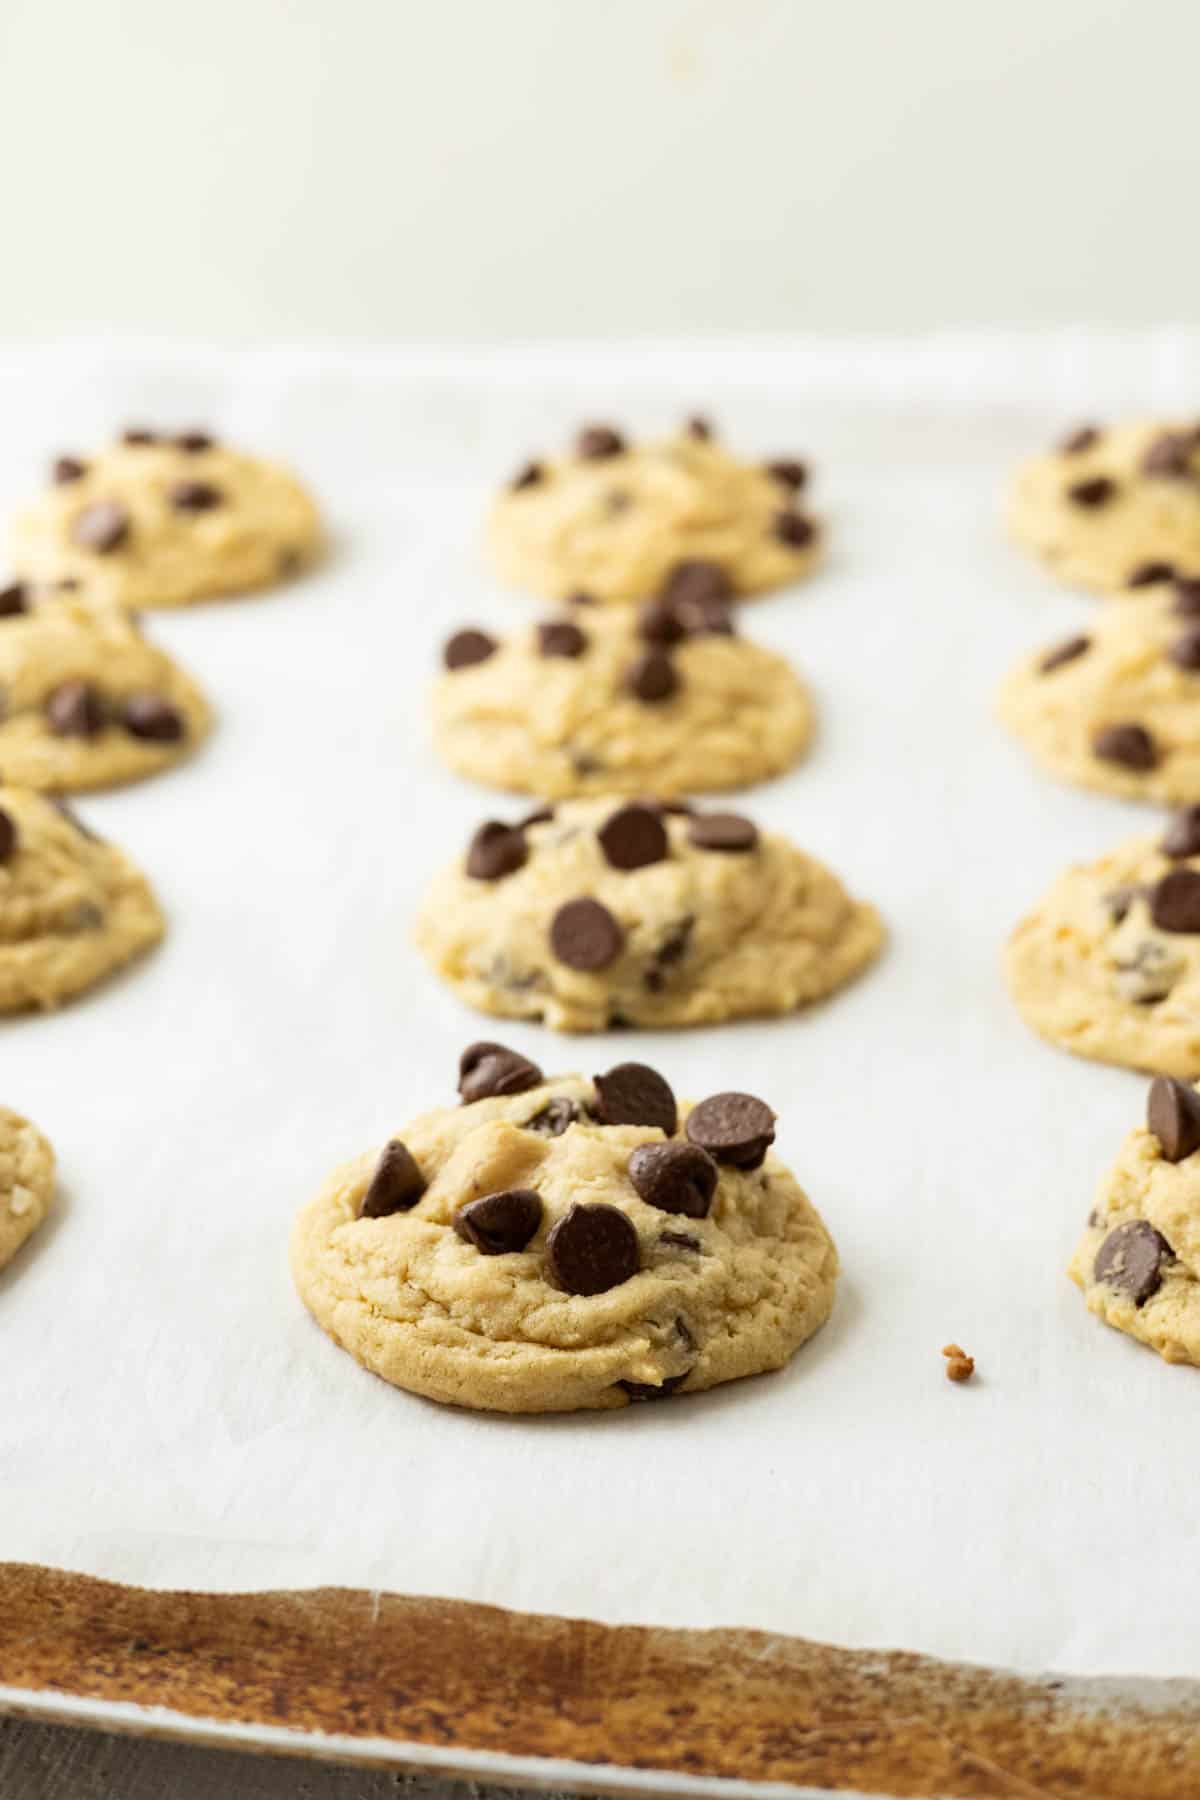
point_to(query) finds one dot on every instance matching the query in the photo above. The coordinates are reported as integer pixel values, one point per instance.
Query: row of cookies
(1108, 964)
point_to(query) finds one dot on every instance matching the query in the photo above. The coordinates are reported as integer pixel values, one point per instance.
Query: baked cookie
(631, 521)
(26, 1181)
(666, 701)
(159, 519)
(1114, 506)
(1108, 964)
(548, 1246)
(1138, 1261)
(608, 913)
(1118, 706)
(72, 908)
(85, 700)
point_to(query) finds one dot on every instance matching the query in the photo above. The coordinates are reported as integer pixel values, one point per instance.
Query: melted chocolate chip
(194, 496)
(634, 837)
(193, 442)
(598, 441)
(67, 468)
(645, 1390)
(734, 1128)
(8, 836)
(793, 529)
(495, 851)
(486, 1070)
(1081, 439)
(592, 1249)
(1098, 490)
(1131, 1258)
(1170, 455)
(789, 472)
(633, 1094)
(1064, 653)
(1185, 651)
(706, 617)
(585, 936)
(1187, 595)
(696, 578)
(468, 647)
(541, 815)
(498, 1224)
(151, 717)
(14, 600)
(659, 623)
(1183, 834)
(554, 1118)
(561, 637)
(1175, 901)
(1148, 574)
(677, 1178)
(1131, 746)
(653, 677)
(102, 527)
(396, 1185)
(531, 475)
(74, 709)
(700, 428)
(727, 832)
(138, 435)
(1173, 1116)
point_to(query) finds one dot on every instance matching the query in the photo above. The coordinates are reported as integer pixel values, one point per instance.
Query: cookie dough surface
(597, 704)
(72, 908)
(1108, 963)
(618, 523)
(1118, 706)
(1138, 1260)
(85, 700)
(613, 914)
(163, 520)
(26, 1181)
(730, 1288)
(1112, 502)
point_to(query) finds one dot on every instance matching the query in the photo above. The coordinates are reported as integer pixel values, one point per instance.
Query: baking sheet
(170, 1415)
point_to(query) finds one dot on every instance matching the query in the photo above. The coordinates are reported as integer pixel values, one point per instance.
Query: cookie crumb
(959, 1366)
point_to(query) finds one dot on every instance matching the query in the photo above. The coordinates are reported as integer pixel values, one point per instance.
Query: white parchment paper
(168, 1412)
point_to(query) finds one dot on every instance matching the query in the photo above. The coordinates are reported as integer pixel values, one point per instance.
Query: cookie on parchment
(1113, 506)
(1138, 1261)
(1108, 963)
(1117, 707)
(626, 521)
(26, 1181)
(85, 700)
(667, 700)
(159, 519)
(563, 1244)
(602, 913)
(72, 908)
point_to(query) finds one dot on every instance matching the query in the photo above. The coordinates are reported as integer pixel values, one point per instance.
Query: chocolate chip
(581, 598)
(633, 1094)
(653, 677)
(700, 428)
(1175, 901)
(560, 637)
(193, 441)
(14, 600)
(659, 623)
(706, 617)
(1147, 574)
(1185, 651)
(151, 717)
(1079, 440)
(793, 529)
(541, 815)
(1173, 1116)
(722, 831)
(67, 468)
(1097, 491)
(585, 936)
(74, 709)
(598, 441)
(673, 808)
(788, 472)
(194, 496)
(8, 836)
(592, 1249)
(495, 851)
(468, 647)
(554, 1118)
(529, 476)
(1129, 745)
(138, 435)
(1131, 1259)
(1064, 653)
(633, 837)
(674, 946)
(645, 1390)
(1183, 834)
(499, 1223)
(696, 578)
(1187, 595)
(486, 1071)
(677, 1178)
(1170, 455)
(396, 1184)
(734, 1128)
(101, 527)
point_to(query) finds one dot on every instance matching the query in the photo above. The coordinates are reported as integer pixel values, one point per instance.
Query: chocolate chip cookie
(26, 1181)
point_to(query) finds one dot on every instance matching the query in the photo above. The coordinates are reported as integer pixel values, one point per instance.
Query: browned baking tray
(528, 1698)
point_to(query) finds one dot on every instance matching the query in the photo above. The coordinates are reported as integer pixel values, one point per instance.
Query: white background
(533, 168)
